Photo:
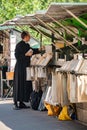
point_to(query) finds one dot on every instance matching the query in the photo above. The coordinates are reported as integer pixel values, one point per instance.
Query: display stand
(1, 89)
(9, 77)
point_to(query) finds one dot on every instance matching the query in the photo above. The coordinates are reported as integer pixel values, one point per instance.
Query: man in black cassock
(22, 88)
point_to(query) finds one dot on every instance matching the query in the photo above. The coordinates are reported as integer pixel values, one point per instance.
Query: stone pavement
(27, 119)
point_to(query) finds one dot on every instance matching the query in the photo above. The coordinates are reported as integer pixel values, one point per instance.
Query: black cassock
(22, 88)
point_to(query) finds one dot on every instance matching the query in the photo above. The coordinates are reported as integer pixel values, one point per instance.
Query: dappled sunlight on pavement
(3, 126)
(6, 101)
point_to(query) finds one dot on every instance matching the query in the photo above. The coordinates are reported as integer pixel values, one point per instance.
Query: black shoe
(22, 105)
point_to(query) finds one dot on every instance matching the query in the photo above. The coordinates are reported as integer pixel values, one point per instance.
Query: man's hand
(42, 48)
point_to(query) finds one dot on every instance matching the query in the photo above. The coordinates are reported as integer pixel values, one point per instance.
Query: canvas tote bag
(28, 73)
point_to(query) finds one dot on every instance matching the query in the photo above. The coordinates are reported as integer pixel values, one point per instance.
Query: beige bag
(82, 88)
(28, 73)
(48, 98)
(73, 89)
(41, 72)
(64, 93)
(55, 88)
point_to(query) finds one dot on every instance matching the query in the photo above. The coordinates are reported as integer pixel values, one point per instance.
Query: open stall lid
(55, 12)
(59, 11)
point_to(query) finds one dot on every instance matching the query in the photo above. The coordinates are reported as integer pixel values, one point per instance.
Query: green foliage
(11, 8)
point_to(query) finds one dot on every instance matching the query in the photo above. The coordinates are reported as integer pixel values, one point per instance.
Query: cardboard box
(82, 115)
(82, 106)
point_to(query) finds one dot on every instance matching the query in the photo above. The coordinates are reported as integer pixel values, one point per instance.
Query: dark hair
(24, 33)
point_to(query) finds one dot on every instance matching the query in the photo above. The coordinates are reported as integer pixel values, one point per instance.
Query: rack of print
(76, 75)
(69, 84)
(46, 62)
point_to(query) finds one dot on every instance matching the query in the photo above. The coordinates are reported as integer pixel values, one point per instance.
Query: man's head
(25, 36)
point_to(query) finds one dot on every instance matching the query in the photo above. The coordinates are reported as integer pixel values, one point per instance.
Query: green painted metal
(64, 35)
(79, 34)
(75, 23)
